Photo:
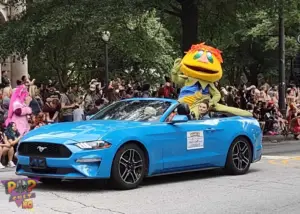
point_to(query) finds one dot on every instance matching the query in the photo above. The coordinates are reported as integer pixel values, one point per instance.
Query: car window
(134, 110)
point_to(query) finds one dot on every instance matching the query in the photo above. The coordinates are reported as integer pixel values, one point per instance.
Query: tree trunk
(253, 74)
(189, 23)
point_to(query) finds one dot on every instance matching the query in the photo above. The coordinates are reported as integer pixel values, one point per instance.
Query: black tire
(239, 152)
(50, 181)
(128, 174)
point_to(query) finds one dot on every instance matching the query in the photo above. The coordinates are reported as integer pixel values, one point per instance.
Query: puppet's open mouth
(199, 69)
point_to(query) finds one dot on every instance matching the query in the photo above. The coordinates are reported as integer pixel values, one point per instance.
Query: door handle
(213, 129)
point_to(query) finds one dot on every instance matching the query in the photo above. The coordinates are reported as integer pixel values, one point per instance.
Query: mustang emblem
(40, 148)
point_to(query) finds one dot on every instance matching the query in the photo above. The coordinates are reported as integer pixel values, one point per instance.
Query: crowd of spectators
(75, 103)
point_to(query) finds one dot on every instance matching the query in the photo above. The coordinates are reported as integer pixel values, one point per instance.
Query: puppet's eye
(210, 57)
(198, 54)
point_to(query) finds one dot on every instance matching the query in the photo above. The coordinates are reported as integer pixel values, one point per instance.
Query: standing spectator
(78, 113)
(230, 97)
(167, 91)
(90, 97)
(67, 106)
(36, 103)
(5, 80)
(146, 91)
(19, 109)
(52, 109)
(98, 105)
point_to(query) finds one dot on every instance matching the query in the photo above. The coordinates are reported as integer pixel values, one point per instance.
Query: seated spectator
(12, 134)
(6, 149)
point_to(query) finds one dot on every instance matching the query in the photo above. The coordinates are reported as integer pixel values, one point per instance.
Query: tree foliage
(63, 38)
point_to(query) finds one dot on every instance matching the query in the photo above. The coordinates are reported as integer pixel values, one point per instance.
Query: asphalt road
(272, 186)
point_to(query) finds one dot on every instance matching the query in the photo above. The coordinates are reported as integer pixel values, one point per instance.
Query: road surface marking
(282, 160)
(280, 157)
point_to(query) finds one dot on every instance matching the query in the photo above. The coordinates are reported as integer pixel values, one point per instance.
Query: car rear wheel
(239, 157)
(129, 167)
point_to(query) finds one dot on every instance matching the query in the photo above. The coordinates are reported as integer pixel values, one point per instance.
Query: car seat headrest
(183, 109)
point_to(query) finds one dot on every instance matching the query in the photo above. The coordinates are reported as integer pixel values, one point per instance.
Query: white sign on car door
(195, 140)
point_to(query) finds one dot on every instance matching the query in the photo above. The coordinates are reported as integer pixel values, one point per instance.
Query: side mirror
(179, 119)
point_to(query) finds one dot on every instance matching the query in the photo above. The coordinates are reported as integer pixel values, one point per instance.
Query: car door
(194, 144)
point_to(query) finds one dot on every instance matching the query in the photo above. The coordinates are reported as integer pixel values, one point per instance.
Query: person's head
(73, 87)
(146, 87)
(33, 90)
(237, 100)
(99, 102)
(92, 88)
(20, 93)
(19, 82)
(203, 107)
(78, 101)
(93, 81)
(271, 104)
(54, 103)
(4, 73)
(12, 127)
(168, 81)
(249, 106)
(256, 109)
(24, 79)
(7, 91)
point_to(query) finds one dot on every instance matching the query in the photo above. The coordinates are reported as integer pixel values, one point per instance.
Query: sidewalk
(277, 138)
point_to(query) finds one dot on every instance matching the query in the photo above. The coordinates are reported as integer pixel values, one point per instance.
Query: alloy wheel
(240, 155)
(131, 166)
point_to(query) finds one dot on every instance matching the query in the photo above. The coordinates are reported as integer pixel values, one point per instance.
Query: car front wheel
(129, 167)
(239, 157)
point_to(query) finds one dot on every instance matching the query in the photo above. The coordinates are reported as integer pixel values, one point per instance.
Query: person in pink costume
(19, 110)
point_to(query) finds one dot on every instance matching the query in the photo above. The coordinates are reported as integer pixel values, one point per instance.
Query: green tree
(66, 38)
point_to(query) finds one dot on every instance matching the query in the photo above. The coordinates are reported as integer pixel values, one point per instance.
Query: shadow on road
(76, 186)
(96, 185)
(189, 176)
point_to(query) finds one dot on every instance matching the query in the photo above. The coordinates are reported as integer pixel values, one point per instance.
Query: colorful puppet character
(196, 74)
(19, 110)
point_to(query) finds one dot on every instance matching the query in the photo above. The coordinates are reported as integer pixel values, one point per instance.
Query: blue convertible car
(131, 139)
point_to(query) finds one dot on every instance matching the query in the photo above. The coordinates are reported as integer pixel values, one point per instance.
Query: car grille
(48, 170)
(52, 150)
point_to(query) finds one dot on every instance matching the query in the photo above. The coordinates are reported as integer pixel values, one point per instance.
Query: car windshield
(134, 110)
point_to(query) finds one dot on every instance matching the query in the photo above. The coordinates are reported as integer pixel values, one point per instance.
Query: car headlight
(94, 145)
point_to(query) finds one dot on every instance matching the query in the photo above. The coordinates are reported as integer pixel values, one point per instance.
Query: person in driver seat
(203, 110)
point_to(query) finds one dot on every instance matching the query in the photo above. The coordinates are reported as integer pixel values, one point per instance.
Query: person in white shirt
(78, 113)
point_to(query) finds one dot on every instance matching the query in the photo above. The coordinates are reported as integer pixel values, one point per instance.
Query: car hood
(76, 131)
